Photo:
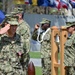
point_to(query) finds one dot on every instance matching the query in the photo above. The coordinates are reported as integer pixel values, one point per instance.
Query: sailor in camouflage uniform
(69, 53)
(44, 38)
(24, 31)
(11, 51)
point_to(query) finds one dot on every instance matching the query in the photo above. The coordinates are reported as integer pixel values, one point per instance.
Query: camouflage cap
(13, 20)
(8, 15)
(69, 24)
(20, 10)
(17, 11)
(44, 20)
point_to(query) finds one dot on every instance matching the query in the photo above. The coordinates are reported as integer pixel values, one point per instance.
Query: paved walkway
(37, 62)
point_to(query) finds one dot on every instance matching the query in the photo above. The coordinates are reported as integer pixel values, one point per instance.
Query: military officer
(69, 53)
(12, 51)
(42, 35)
(24, 31)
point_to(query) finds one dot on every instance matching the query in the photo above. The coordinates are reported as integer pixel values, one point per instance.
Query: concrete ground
(36, 62)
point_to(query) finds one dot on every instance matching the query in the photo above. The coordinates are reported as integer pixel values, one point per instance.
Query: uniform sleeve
(34, 35)
(69, 43)
(26, 46)
(25, 31)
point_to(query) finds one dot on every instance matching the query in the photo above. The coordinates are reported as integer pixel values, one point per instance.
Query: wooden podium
(55, 64)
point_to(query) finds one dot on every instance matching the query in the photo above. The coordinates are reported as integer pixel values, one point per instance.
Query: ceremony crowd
(15, 44)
